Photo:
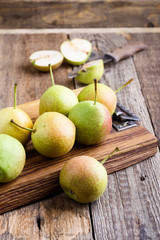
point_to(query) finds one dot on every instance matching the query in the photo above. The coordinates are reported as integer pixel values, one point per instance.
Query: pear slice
(90, 71)
(76, 51)
(42, 59)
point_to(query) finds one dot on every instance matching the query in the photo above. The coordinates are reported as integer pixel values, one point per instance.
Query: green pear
(6, 127)
(76, 51)
(90, 71)
(41, 59)
(83, 178)
(105, 95)
(92, 120)
(53, 134)
(57, 99)
(12, 158)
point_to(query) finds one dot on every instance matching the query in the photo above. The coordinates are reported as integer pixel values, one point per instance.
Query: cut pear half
(76, 51)
(42, 59)
(90, 71)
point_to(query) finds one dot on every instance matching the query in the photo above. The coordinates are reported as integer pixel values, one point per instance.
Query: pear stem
(28, 129)
(110, 155)
(95, 85)
(15, 95)
(124, 85)
(51, 72)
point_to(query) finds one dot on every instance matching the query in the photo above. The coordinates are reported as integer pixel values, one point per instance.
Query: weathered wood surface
(129, 208)
(134, 214)
(79, 13)
(40, 177)
(57, 218)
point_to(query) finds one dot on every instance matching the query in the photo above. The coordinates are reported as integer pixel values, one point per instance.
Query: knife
(115, 56)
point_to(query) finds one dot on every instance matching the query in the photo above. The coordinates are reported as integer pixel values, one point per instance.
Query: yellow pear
(53, 134)
(20, 117)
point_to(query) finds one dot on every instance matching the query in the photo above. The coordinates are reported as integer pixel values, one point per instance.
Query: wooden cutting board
(39, 178)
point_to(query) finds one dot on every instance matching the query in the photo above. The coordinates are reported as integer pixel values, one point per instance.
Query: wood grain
(150, 82)
(27, 223)
(40, 177)
(129, 209)
(78, 14)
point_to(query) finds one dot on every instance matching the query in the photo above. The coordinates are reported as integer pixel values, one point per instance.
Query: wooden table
(79, 13)
(130, 206)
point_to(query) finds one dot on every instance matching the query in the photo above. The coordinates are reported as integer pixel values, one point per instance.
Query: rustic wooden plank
(31, 185)
(32, 176)
(31, 82)
(40, 177)
(25, 223)
(76, 14)
(150, 82)
(126, 210)
(61, 218)
(121, 30)
(129, 208)
(20, 224)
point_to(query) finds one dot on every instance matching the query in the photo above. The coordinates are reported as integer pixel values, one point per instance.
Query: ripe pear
(41, 59)
(57, 99)
(6, 127)
(83, 178)
(76, 51)
(12, 158)
(92, 120)
(90, 71)
(105, 95)
(53, 134)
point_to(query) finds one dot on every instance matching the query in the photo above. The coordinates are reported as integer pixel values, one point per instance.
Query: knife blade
(115, 56)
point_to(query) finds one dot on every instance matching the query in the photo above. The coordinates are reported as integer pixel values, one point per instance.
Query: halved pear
(42, 59)
(76, 51)
(90, 71)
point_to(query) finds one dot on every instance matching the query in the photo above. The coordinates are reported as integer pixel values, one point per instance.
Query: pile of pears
(63, 119)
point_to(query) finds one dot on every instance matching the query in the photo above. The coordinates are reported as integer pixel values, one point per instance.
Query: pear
(90, 71)
(41, 59)
(53, 134)
(76, 51)
(12, 158)
(83, 178)
(57, 98)
(92, 120)
(6, 114)
(105, 95)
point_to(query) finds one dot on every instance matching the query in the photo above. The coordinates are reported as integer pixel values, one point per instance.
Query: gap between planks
(80, 30)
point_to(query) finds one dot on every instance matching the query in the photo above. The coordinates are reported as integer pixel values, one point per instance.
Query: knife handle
(127, 50)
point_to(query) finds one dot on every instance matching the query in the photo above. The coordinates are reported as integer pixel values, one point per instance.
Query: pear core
(42, 59)
(76, 51)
